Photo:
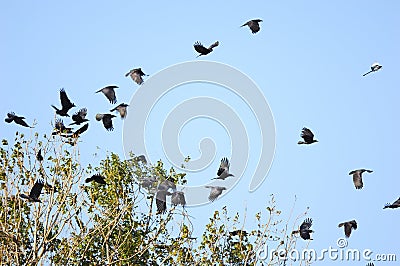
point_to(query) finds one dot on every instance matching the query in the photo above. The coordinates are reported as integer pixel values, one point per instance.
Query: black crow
(17, 119)
(35, 192)
(348, 226)
(66, 104)
(121, 108)
(96, 178)
(305, 229)
(136, 75)
(79, 117)
(357, 177)
(394, 205)
(223, 170)
(253, 25)
(203, 50)
(308, 136)
(375, 67)
(107, 120)
(109, 93)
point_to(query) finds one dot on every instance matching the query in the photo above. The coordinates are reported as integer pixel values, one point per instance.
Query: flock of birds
(162, 190)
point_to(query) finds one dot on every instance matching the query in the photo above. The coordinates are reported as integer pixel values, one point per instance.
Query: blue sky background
(308, 59)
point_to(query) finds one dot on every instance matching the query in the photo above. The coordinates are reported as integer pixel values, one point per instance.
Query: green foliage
(94, 224)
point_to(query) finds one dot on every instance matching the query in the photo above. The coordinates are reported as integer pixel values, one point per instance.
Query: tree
(80, 223)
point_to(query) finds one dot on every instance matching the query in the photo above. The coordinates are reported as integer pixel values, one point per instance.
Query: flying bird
(66, 104)
(96, 178)
(59, 128)
(148, 182)
(136, 75)
(39, 156)
(80, 130)
(178, 198)
(308, 136)
(253, 25)
(121, 108)
(374, 67)
(161, 200)
(348, 227)
(79, 117)
(166, 185)
(357, 177)
(203, 50)
(107, 120)
(305, 229)
(35, 192)
(223, 171)
(215, 192)
(17, 119)
(109, 92)
(394, 205)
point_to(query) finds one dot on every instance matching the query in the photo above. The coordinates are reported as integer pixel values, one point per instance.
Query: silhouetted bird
(39, 156)
(253, 25)
(305, 229)
(17, 119)
(348, 226)
(308, 136)
(121, 109)
(79, 117)
(96, 178)
(161, 200)
(109, 93)
(35, 192)
(203, 50)
(107, 120)
(136, 75)
(178, 198)
(357, 177)
(66, 104)
(394, 205)
(223, 170)
(215, 192)
(60, 129)
(374, 67)
(148, 182)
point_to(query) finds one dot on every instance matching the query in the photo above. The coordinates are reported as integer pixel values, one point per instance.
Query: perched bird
(305, 229)
(308, 136)
(35, 192)
(17, 119)
(223, 171)
(357, 177)
(121, 108)
(203, 50)
(161, 200)
(60, 129)
(109, 93)
(66, 104)
(107, 120)
(96, 178)
(39, 156)
(253, 25)
(374, 67)
(79, 117)
(136, 75)
(348, 226)
(178, 198)
(394, 205)
(215, 192)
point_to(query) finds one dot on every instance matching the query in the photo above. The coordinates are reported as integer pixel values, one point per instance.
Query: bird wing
(213, 45)
(254, 26)
(178, 197)
(20, 121)
(306, 225)
(139, 71)
(214, 193)
(357, 180)
(65, 102)
(397, 202)
(347, 229)
(353, 224)
(82, 113)
(110, 94)
(80, 130)
(107, 122)
(161, 201)
(307, 135)
(224, 166)
(36, 189)
(136, 77)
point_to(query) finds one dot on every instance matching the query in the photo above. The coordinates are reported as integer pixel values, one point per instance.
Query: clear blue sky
(308, 59)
